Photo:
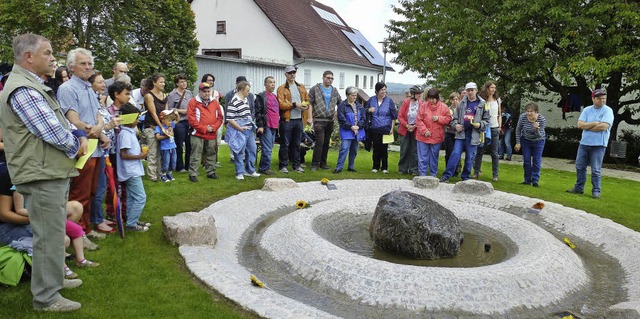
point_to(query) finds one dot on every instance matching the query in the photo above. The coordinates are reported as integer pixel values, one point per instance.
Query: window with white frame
(371, 83)
(307, 77)
(357, 80)
(364, 81)
(341, 83)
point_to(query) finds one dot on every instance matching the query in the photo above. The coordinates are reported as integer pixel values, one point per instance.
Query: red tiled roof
(311, 36)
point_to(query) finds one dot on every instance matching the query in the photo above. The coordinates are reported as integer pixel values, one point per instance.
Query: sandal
(87, 264)
(69, 274)
(110, 231)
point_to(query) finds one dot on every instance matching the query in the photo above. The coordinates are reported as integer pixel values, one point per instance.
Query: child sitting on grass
(130, 170)
(75, 239)
(164, 134)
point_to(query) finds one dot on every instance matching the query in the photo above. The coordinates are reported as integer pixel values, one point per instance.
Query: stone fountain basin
(542, 271)
(219, 268)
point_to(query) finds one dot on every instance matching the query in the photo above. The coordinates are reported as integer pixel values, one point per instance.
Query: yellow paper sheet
(128, 118)
(93, 143)
(387, 139)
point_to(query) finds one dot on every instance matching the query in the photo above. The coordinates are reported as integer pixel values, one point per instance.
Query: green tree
(561, 46)
(151, 36)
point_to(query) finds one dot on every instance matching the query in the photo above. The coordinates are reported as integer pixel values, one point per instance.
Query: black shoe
(193, 179)
(325, 166)
(501, 157)
(444, 180)
(212, 176)
(574, 191)
(352, 170)
(534, 184)
(337, 171)
(526, 183)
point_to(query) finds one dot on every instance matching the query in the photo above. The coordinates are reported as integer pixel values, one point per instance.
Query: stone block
(277, 184)
(428, 182)
(193, 229)
(473, 187)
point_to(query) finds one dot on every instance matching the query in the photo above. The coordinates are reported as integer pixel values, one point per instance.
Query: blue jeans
(245, 160)
(532, 157)
(589, 155)
(428, 158)
(469, 150)
(183, 136)
(350, 146)
(136, 199)
(267, 139)
(169, 158)
(290, 135)
(10, 232)
(505, 143)
(97, 214)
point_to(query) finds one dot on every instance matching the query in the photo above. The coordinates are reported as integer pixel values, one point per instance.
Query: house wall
(248, 28)
(316, 68)
(226, 71)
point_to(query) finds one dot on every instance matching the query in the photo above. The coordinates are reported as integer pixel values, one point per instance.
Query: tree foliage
(151, 36)
(561, 46)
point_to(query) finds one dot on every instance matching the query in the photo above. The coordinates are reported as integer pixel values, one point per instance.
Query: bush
(562, 142)
(633, 146)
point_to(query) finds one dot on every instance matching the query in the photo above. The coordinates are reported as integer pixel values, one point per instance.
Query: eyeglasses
(292, 72)
(328, 78)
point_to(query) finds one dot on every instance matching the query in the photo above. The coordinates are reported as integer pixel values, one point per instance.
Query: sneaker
(284, 170)
(574, 191)
(508, 159)
(218, 164)
(164, 178)
(495, 178)
(71, 283)
(89, 245)
(170, 177)
(476, 175)
(240, 177)
(337, 171)
(595, 195)
(143, 224)
(212, 176)
(314, 168)
(501, 157)
(384, 171)
(87, 264)
(526, 183)
(535, 184)
(299, 169)
(303, 165)
(62, 305)
(374, 170)
(182, 171)
(137, 228)
(96, 235)
(69, 274)
(254, 174)
(193, 179)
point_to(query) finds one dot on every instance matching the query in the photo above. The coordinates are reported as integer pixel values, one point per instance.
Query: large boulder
(191, 229)
(415, 226)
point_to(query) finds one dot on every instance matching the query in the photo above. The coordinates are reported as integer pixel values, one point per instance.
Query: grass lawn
(144, 276)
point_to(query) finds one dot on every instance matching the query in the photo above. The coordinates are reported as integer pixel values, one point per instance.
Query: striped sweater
(525, 129)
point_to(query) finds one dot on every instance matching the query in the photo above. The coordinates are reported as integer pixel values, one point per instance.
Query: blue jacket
(346, 119)
(383, 116)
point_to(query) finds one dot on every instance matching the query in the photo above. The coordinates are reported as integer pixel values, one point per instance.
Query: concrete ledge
(190, 229)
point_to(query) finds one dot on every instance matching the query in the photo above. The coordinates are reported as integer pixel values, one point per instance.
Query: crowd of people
(52, 116)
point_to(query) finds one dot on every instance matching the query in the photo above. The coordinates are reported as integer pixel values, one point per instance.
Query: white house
(256, 38)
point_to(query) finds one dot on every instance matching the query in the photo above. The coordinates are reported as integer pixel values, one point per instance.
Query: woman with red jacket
(432, 118)
(407, 115)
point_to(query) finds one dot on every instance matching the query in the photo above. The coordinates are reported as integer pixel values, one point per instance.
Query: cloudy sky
(370, 17)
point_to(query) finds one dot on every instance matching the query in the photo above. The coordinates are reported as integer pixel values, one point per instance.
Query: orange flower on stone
(538, 205)
(301, 204)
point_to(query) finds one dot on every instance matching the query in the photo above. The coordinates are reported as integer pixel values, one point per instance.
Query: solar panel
(367, 50)
(328, 16)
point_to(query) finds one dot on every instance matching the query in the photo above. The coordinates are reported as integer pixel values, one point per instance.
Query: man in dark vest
(41, 152)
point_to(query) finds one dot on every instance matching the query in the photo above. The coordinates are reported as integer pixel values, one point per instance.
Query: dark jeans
(183, 135)
(290, 134)
(449, 142)
(323, 130)
(380, 154)
(408, 163)
(495, 160)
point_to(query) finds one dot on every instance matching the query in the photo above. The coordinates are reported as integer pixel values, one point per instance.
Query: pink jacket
(424, 122)
(402, 116)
